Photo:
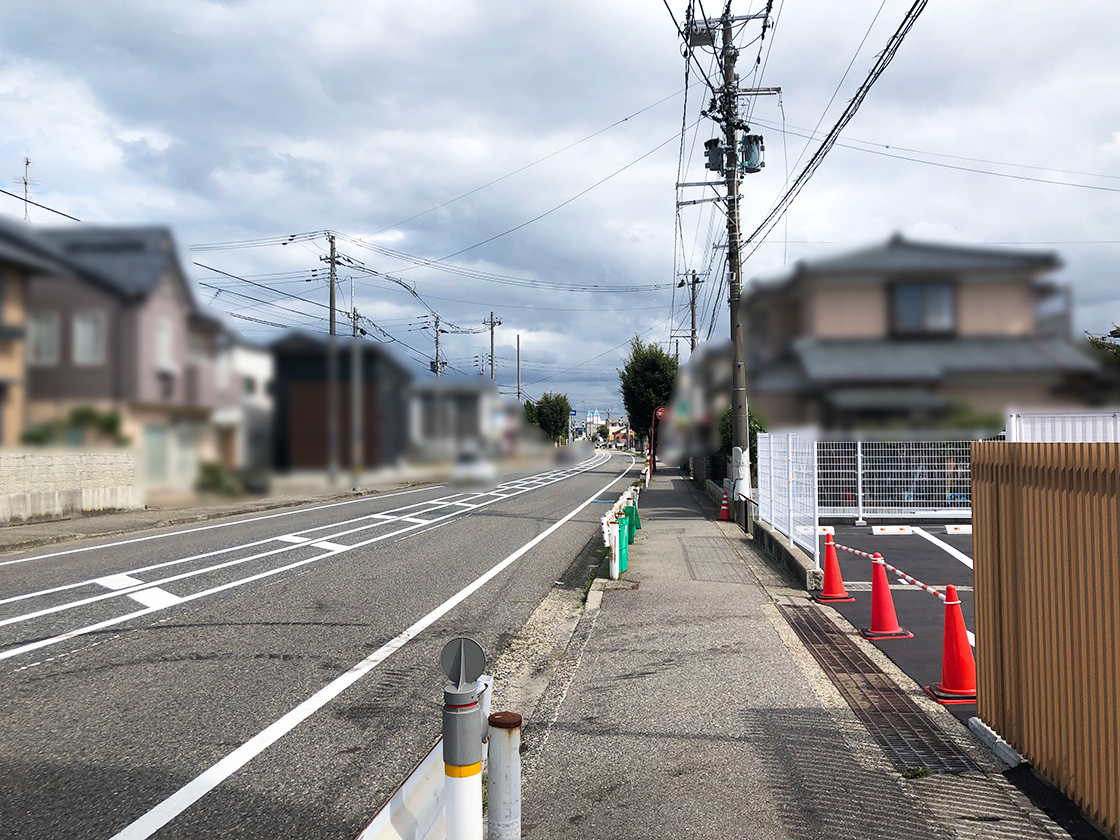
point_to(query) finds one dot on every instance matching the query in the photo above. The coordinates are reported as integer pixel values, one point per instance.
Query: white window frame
(35, 322)
(98, 358)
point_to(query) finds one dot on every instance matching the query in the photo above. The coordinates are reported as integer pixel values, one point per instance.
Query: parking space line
(952, 552)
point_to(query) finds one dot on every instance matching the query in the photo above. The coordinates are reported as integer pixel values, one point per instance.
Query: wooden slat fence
(1046, 531)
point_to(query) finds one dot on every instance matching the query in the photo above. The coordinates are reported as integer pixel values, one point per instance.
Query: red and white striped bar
(878, 558)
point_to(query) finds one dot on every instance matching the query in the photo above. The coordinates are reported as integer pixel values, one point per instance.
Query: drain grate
(901, 729)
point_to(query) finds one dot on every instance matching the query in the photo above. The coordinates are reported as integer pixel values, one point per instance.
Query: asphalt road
(276, 676)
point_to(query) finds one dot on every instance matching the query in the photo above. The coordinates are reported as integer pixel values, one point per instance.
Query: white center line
(170, 808)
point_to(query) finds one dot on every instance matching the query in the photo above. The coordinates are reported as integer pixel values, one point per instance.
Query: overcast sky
(259, 120)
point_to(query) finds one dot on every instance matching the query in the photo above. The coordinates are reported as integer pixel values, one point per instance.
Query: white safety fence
(1070, 427)
(907, 479)
(787, 499)
(801, 479)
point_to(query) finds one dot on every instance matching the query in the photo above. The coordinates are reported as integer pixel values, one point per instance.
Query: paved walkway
(694, 710)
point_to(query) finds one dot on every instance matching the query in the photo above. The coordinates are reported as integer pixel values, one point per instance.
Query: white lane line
(170, 808)
(194, 596)
(960, 555)
(971, 637)
(221, 525)
(390, 516)
(118, 581)
(292, 538)
(155, 598)
(329, 546)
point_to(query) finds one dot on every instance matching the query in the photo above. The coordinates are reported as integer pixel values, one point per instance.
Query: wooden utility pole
(519, 367)
(692, 302)
(332, 378)
(492, 323)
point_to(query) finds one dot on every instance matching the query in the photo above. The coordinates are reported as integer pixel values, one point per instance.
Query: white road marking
(391, 516)
(971, 637)
(329, 546)
(292, 538)
(170, 808)
(7, 654)
(220, 525)
(155, 597)
(118, 581)
(960, 555)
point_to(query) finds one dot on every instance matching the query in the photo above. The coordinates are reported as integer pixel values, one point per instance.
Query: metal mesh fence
(786, 488)
(859, 479)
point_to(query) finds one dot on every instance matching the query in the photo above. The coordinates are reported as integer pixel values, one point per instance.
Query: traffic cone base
(832, 590)
(900, 633)
(938, 694)
(724, 513)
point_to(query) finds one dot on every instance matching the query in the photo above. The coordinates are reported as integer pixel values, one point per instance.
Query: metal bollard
(462, 661)
(614, 532)
(503, 787)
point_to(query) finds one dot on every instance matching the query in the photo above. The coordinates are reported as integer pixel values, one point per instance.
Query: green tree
(553, 411)
(1107, 345)
(530, 412)
(646, 382)
(725, 432)
(604, 432)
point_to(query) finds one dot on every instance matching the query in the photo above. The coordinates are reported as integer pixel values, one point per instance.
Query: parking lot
(932, 556)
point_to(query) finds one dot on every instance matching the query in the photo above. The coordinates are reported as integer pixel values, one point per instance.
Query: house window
(89, 338)
(248, 386)
(223, 370)
(165, 345)
(42, 339)
(923, 308)
(155, 453)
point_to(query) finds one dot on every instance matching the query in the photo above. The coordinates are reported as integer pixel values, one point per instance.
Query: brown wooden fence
(1046, 530)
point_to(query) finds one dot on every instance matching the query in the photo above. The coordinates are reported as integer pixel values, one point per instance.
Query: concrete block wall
(56, 484)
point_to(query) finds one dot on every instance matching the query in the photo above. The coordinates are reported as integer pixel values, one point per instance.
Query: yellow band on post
(457, 772)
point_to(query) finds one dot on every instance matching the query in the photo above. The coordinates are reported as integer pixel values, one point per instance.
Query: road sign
(572, 413)
(661, 412)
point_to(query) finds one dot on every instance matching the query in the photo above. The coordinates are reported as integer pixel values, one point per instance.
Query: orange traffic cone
(958, 666)
(833, 590)
(884, 622)
(724, 513)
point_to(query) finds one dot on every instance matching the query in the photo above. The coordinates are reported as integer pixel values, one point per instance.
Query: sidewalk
(694, 710)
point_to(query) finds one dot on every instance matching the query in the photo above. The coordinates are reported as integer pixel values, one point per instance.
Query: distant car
(472, 468)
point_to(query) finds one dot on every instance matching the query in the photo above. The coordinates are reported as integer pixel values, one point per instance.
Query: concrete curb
(171, 521)
(791, 557)
(990, 739)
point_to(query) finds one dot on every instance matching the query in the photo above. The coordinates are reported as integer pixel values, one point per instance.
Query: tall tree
(646, 382)
(553, 411)
(530, 412)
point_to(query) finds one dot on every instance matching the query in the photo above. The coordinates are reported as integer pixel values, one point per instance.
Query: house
(119, 336)
(449, 415)
(912, 333)
(18, 261)
(248, 449)
(300, 388)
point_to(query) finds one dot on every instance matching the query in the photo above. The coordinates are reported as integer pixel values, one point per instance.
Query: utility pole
(332, 378)
(519, 367)
(492, 323)
(437, 346)
(740, 453)
(357, 460)
(692, 301)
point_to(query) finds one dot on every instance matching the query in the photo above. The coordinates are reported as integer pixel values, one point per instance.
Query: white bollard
(463, 795)
(613, 526)
(503, 787)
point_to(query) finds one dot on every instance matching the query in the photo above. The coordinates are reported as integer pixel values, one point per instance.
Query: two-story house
(912, 333)
(125, 335)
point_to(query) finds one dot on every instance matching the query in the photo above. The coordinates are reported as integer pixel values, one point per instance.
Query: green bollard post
(623, 550)
(631, 519)
(637, 519)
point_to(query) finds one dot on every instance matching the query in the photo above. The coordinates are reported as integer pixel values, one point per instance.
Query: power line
(41, 206)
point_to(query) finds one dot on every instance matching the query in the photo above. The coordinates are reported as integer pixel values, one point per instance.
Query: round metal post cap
(504, 720)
